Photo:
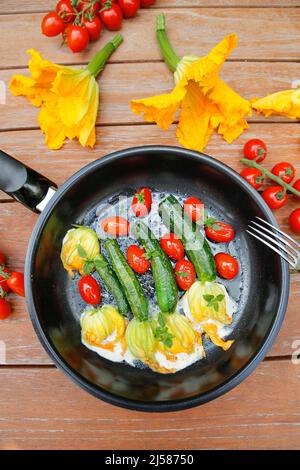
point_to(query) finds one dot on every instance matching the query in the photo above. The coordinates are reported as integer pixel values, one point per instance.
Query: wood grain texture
(118, 85)
(47, 411)
(271, 34)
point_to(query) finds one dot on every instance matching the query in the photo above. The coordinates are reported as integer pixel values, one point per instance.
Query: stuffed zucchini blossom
(207, 103)
(68, 97)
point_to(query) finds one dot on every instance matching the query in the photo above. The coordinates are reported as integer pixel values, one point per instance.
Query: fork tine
(292, 263)
(279, 237)
(279, 231)
(274, 242)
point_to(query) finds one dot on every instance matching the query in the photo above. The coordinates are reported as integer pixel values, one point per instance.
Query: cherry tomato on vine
(89, 290)
(255, 149)
(2, 258)
(77, 37)
(227, 266)
(111, 16)
(116, 226)
(16, 283)
(83, 4)
(294, 220)
(52, 24)
(285, 171)
(93, 27)
(4, 274)
(65, 10)
(220, 232)
(185, 274)
(275, 196)
(296, 185)
(5, 309)
(141, 202)
(137, 260)
(147, 3)
(194, 209)
(129, 7)
(253, 176)
(172, 246)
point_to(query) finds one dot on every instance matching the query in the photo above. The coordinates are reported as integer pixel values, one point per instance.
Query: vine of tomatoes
(9, 282)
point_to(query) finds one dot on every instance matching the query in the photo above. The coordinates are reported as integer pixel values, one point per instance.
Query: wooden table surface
(39, 407)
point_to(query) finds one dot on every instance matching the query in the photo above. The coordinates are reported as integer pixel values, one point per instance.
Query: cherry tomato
(93, 27)
(253, 176)
(52, 24)
(4, 272)
(275, 196)
(16, 283)
(294, 220)
(116, 226)
(255, 149)
(194, 209)
(77, 37)
(65, 10)
(89, 290)
(83, 4)
(172, 246)
(220, 232)
(129, 7)
(296, 185)
(147, 3)
(141, 202)
(285, 171)
(2, 258)
(227, 266)
(112, 16)
(5, 308)
(185, 274)
(137, 260)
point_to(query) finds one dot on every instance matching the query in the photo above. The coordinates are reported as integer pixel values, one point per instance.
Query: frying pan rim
(104, 395)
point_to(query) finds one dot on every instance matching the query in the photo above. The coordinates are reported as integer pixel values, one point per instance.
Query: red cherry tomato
(296, 185)
(194, 209)
(77, 37)
(83, 4)
(294, 220)
(142, 201)
(172, 246)
(185, 274)
(285, 171)
(16, 283)
(52, 24)
(111, 16)
(4, 274)
(89, 290)
(255, 149)
(253, 176)
(65, 10)
(93, 27)
(220, 232)
(137, 260)
(147, 3)
(227, 266)
(275, 197)
(2, 258)
(5, 309)
(116, 226)
(129, 7)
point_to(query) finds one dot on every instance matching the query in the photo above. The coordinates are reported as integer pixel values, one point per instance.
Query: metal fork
(277, 240)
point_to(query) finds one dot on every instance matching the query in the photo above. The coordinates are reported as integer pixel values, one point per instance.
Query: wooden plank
(47, 411)
(248, 79)
(271, 34)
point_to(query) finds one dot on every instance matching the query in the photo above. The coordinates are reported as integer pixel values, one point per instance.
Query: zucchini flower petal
(78, 242)
(212, 332)
(68, 98)
(283, 103)
(184, 336)
(102, 327)
(207, 103)
(140, 340)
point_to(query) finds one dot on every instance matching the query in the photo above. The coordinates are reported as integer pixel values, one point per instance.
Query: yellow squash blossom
(68, 97)
(283, 103)
(206, 102)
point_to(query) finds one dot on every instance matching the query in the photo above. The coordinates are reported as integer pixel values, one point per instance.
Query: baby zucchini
(163, 274)
(130, 284)
(112, 283)
(195, 245)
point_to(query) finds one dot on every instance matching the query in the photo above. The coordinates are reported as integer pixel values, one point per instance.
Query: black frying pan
(261, 289)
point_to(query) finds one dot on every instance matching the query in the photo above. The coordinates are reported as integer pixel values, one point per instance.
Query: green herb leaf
(168, 342)
(88, 267)
(208, 297)
(216, 306)
(220, 297)
(161, 319)
(81, 251)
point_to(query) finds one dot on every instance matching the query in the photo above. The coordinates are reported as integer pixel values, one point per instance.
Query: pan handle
(24, 184)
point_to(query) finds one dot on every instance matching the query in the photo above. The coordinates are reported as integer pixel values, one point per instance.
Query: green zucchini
(112, 283)
(130, 284)
(162, 270)
(196, 246)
